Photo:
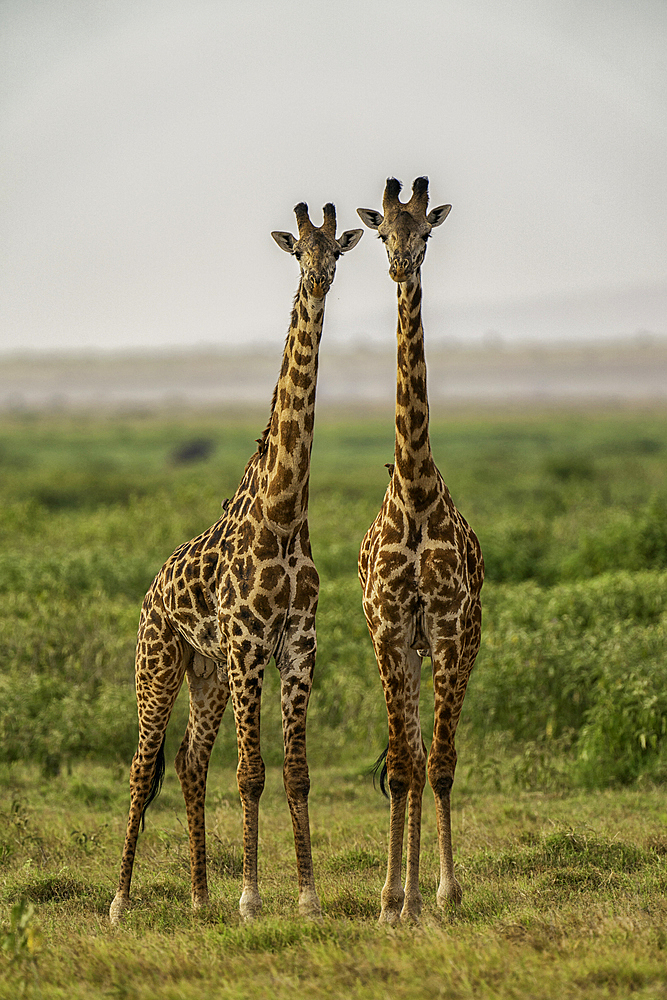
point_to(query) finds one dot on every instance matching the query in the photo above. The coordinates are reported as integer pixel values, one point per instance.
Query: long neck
(289, 435)
(414, 461)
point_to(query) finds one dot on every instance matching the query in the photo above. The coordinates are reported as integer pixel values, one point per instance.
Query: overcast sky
(149, 147)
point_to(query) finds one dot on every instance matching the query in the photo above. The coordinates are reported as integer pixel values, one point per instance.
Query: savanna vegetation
(559, 808)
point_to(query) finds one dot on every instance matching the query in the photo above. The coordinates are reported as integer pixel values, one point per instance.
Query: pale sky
(149, 147)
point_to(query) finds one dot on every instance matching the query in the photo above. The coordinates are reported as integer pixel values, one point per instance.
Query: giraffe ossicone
(240, 593)
(421, 571)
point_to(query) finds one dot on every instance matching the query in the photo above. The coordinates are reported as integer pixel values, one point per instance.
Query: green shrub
(544, 650)
(652, 534)
(624, 734)
(518, 550)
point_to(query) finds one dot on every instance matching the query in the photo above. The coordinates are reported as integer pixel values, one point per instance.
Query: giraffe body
(421, 571)
(243, 591)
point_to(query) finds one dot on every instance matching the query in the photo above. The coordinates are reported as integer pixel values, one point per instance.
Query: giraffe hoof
(392, 902)
(411, 911)
(309, 906)
(118, 907)
(450, 897)
(250, 905)
(389, 918)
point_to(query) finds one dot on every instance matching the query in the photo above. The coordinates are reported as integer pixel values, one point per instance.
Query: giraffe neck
(288, 438)
(414, 462)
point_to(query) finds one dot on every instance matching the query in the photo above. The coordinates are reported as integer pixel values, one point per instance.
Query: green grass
(559, 815)
(568, 888)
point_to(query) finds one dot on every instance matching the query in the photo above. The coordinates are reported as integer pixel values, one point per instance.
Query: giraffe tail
(381, 766)
(156, 782)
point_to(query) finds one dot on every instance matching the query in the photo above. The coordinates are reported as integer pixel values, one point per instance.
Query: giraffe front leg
(399, 775)
(451, 671)
(208, 698)
(441, 768)
(250, 776)
(412, 905)
(246, 674)
(296, 682)
(449, 892)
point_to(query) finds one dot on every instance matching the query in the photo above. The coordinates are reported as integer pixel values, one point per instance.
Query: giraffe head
(317, 250)
(405, 227)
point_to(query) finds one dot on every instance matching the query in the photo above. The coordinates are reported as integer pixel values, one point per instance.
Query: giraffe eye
(297, 254)
(336, 254)
(383, 238)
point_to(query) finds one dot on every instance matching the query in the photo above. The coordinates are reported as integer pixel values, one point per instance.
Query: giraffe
(421, 572)
(244, 590)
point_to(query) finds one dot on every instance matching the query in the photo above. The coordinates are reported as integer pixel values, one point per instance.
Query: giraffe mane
(262, 441)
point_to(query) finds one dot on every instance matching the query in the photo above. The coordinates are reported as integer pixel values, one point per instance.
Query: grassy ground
(564, 895)
(559, 812)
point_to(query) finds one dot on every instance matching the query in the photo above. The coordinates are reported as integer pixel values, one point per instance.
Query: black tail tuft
(381, 766)
(156, 783)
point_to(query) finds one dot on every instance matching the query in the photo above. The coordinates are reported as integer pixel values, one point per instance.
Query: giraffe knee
(441, 777)
(399, 773)
(441, 768)
(296, 779)
(250, 778)
(398, 777)
(442, 785)
(399, 785)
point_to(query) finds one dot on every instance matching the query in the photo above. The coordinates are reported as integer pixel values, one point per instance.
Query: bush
(543, 651)
(624, 735)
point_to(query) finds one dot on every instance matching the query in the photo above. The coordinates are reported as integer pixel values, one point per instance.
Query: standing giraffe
(243, 591)
(421, 571)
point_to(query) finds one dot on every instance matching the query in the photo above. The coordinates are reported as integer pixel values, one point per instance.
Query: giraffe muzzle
(400, 268)
(318, 286)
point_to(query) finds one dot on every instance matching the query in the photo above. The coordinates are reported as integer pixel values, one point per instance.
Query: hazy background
(148, 148)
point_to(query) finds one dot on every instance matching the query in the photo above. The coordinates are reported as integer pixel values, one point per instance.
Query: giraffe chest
(234, 582)
(414, 569)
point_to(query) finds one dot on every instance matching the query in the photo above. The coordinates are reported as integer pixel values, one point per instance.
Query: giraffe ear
(349, 239)
(372, 218)
(438, 215)
(285, 241)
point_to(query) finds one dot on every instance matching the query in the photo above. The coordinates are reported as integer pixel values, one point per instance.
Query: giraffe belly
(204, 635)
(209, 628)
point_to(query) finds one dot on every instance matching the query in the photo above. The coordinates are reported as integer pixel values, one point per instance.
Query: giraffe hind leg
(296, 674)
(245, 667)
(209, 694)
(398, 771)
(450, 677)
(159, 675)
